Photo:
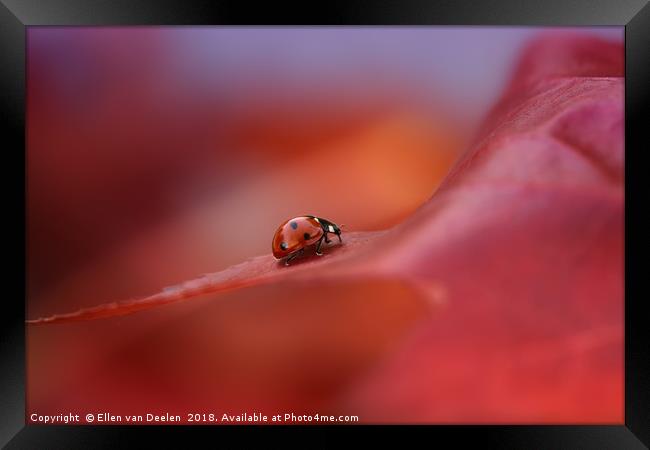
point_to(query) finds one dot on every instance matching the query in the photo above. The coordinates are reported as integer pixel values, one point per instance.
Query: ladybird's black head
(337, 231)
(329, 227)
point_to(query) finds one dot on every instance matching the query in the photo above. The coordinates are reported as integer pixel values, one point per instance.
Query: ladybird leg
(327, 240)
(299, 252)
(286, 262)
(339, 235)
(320, 242)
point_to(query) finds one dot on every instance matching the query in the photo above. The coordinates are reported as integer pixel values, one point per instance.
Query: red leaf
(526, 235)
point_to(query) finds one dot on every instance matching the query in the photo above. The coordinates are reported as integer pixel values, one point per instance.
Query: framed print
(424, 216)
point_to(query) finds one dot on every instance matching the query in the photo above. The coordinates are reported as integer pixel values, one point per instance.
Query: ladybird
(293, 235)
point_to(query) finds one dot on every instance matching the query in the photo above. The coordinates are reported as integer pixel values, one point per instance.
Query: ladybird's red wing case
(295, 234)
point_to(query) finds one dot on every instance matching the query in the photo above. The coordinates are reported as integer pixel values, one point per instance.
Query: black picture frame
(16, 15)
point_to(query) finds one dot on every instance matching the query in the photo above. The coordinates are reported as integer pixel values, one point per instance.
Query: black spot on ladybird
(306, 236)
(294, 225)
(283, 246)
